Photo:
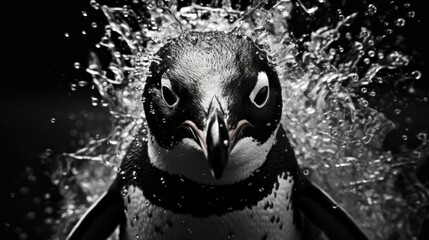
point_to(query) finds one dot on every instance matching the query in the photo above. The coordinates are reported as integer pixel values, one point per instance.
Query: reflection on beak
(217, 140)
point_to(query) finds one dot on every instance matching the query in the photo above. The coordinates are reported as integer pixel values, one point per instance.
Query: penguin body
(164, 206)
(216, 163)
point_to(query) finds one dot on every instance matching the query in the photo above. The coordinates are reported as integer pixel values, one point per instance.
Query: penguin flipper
(102, 218)
(322, 211)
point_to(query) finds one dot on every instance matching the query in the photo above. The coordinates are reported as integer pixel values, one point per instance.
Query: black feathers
(181, 195)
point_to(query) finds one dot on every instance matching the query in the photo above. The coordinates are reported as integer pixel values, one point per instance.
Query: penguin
(216, 162)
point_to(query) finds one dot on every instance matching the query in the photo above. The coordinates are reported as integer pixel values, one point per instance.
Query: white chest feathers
(271, 218)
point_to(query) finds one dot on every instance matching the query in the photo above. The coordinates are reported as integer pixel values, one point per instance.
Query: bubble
(85, 14)
(400, 22)
(66, 34)
(371, 53)
(94, 25)
(83, 32)
(404, 137)
(411, 14)
(364, 90)
(53, 120)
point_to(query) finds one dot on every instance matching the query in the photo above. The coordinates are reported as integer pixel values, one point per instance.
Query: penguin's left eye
(168, 94)
(261, 91)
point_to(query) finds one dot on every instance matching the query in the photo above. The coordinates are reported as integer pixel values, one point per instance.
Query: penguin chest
(270, 218)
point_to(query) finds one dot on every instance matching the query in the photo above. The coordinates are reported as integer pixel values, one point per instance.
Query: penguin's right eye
(168, 94)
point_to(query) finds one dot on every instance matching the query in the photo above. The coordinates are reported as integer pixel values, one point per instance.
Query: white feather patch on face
(187, 159)
(260, 83)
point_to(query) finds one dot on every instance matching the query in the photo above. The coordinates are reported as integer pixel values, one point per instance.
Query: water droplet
(66, 34)
(372, 9)
(31, 215)
(226, 142)
(416, 74)
(76, 65)
(53, 120)
(358, 45)
(404, 137)
(363, 102)
(94, 101)
(94, 4)
(422, 136)
(83, 32)
(94, 25)
(306, 172)
(310, 110)
(397, 111)
(400, 22)
(82, 83)
(366, 61)
(85, 14)
(124, 191)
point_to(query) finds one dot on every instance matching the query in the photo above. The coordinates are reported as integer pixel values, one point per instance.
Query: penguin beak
(217, 140)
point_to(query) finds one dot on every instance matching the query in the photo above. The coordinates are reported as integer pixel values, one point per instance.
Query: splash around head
(211, 97)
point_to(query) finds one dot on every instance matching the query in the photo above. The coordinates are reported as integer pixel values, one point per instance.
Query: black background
(37, 70)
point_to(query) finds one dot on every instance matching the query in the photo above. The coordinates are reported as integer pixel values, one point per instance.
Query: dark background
(36, 87)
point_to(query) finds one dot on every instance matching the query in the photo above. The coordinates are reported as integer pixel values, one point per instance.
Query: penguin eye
(261, 91)
(168, 94)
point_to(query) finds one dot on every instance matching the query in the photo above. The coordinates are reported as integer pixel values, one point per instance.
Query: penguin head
(213, 106)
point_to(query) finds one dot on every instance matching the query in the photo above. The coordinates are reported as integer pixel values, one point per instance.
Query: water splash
(336, 134)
